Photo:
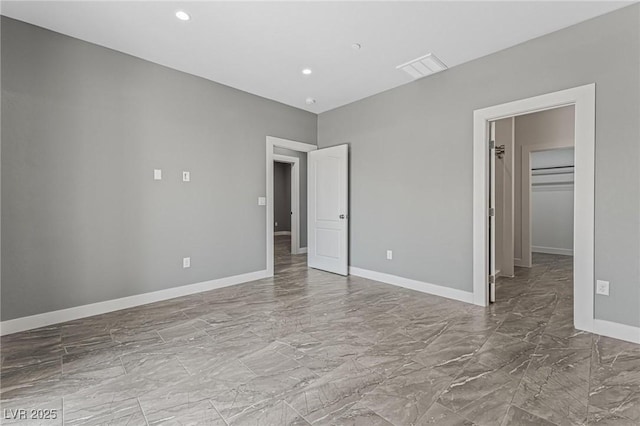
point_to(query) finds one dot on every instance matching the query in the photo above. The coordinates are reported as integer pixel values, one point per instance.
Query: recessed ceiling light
(310, 101)
(182, 15)
(306, 71)
(356, 46)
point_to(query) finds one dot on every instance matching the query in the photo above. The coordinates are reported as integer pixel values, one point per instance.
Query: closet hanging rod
(552, 168)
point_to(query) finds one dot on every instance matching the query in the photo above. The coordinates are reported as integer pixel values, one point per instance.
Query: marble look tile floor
(309, 347)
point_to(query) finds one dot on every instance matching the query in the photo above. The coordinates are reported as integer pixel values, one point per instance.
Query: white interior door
(328, 233)
(492, 212)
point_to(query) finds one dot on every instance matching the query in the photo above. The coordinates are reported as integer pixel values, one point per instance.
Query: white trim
(282, 233)
(552, 250)
(302, 250)
(77, 312)
(583, 98)
(436, 290)
(617, 331)
(281, 143)
(295, 199)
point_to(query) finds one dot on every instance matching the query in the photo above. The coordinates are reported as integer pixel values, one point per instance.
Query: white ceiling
(261, 47)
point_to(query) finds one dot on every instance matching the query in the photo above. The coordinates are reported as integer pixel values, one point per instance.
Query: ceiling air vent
(423, 66)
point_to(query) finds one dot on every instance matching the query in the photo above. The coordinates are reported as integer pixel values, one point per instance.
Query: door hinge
(492, 212)
(492, 144)
(492, 279)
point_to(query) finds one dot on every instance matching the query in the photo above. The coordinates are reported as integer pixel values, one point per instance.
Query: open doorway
(327, 218)
(532, 178)
(286, 242)
(286, 201)
(289, 206)
(532, 175)
(582, 100)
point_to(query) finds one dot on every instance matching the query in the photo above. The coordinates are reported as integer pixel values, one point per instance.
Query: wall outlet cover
(602, 287)
(186, 262)
(186, 177)
(389, 254)
(262, 201)
(157, 174)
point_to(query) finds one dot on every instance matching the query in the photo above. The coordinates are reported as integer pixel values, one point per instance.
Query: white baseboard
(282, 233)
(552, 250)
(302, 250)
(617, 331)
(77, 312)
(437, 290)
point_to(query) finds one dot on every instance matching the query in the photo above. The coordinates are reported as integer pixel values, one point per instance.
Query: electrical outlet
(389, 254)
(262, 201)
(186, 262)
(186, 176)
(602, 287)
(157, 174)
(276, 224)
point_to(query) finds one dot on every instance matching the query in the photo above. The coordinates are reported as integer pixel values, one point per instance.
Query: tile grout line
(122, 363)
(183, 366)
(219, 413)
(248, 368)
(296, 411)
(142, 410)
(534, 415)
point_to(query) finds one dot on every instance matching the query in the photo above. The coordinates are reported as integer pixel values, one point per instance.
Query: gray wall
(83, 128)
(302, 156)
(411, 156)
(281, 197)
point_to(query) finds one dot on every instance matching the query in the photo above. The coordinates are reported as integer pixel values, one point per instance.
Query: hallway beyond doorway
(283, 260)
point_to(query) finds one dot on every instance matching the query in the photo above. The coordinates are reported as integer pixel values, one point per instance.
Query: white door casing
(328, 224)
(583, 98)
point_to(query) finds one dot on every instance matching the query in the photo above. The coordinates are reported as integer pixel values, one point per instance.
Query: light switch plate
(157, 174)
(389, 255)
(602, 287)
(186, 176)
(186, 262)
(262, 201)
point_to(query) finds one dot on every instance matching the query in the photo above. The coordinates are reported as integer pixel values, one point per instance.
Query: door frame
(272, 142)
(295, 198)
(583, 97)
